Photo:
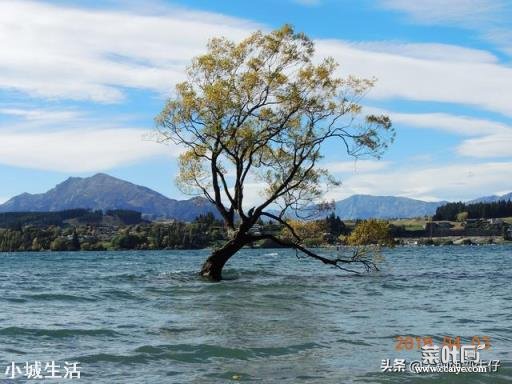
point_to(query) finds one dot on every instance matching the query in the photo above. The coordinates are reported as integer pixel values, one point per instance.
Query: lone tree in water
(259, 111)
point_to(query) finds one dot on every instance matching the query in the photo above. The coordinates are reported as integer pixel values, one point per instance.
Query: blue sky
(81, 81)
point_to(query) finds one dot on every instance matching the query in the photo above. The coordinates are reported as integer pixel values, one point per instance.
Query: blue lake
(145, 317)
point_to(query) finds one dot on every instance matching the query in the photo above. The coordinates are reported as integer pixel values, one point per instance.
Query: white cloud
(499, 145)
(76, 53)
(448, 182)
(460, 125)
(428, 51)
(42, 116)
(452, 182)
(61, 52)
(493, 139)
(490, 18)
(78, 150)
(405, 77)
(501, 36)
(464, 12)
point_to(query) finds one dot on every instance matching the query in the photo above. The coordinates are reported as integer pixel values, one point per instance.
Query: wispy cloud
(87, 54)
(493, 139)
(496, 145)
(453, 182)
(461, 125)
(449, 79)
(490, 18)
(450, 182)
(464, 12)
(69, 140)
(490, 139)
(96, 54)
(42, 116)
(78, 150)
(428, 51)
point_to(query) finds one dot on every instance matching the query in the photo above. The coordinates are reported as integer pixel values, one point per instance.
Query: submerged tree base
(212, 267)
(211, 271)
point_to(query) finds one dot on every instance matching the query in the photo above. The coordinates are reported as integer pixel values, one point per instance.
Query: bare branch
(357, 257)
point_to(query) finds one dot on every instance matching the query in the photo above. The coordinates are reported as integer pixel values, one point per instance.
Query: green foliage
(17, 220)
(496, 209)
(59, 244)
(126, 216)
(209, 219)
(75, 242)
(204, 232)
(126, 241)
(335, 226)
(462, 216)
(372, 231)
(91, 217)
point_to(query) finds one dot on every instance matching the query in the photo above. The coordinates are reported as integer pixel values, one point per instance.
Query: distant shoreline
(401, 242)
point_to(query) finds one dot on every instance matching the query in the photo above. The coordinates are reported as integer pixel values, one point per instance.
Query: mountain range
(384, 207)
(104, 192)
(492, 199)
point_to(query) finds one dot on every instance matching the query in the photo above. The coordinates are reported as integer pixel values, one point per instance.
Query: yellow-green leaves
(371, 232)
(264, 108)
(193, 175)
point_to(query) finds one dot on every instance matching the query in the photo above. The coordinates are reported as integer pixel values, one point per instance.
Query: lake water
(145, 317)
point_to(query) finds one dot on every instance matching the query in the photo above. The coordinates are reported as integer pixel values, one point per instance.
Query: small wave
(179, 275)
(16, 351)
(199, 353)
(502, 334)
(14, 299)
(110, 358)
(176, 330)
(279, 351)
(192, 353)
(353, 342)
(389, 285)
(58, 297)
(119, 294)
(20, 331)
(467, 321)
(123, 276)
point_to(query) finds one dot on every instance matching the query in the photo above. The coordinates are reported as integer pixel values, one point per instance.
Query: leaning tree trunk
(212, 267)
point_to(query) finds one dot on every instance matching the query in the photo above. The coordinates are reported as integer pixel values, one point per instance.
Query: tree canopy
(373, 232)
(259, 111)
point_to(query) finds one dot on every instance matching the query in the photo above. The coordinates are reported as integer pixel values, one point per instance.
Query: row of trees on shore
(205, 231)
(460, 210)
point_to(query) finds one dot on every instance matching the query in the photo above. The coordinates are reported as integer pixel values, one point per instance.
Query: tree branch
(277, 218)
(357, 257)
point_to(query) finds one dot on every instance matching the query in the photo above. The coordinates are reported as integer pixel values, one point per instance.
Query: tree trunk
(212, 267)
